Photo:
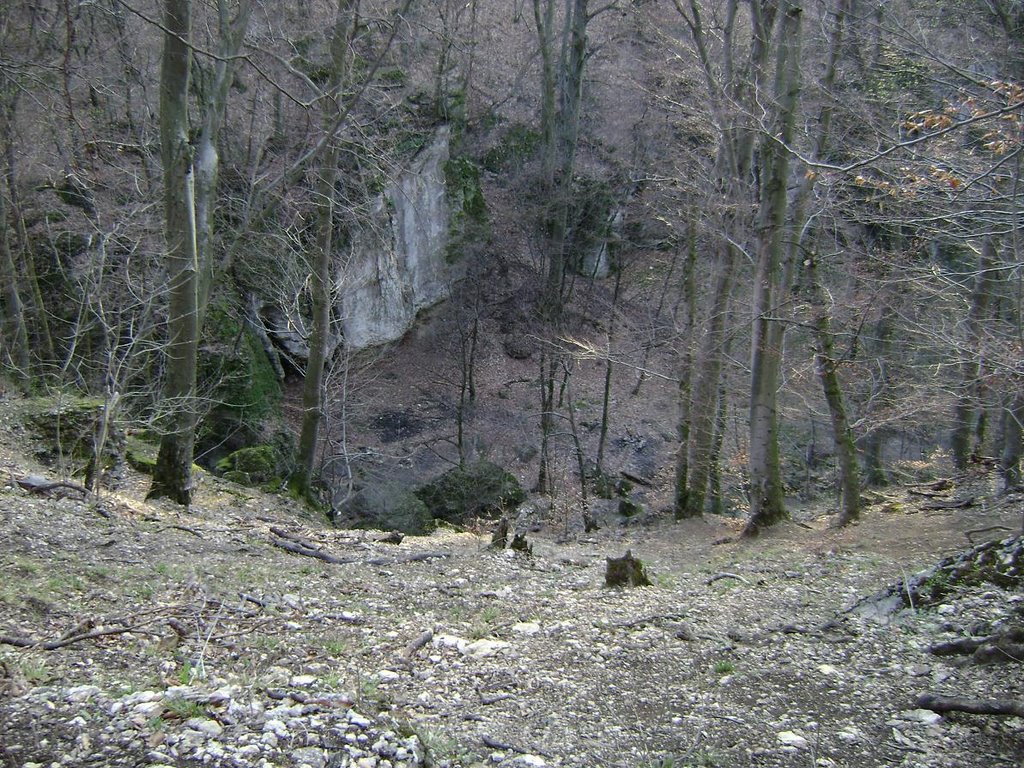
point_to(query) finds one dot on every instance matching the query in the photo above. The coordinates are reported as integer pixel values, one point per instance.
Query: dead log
(37, 484)
(961, 504)
(633, 478)
(999, 562)
(942, 704)
(52, 645)
(417, 644)
(319, 554)
(625, 571)
(1011, 639)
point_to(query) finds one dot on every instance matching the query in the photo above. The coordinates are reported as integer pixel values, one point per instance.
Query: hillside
(188, 638)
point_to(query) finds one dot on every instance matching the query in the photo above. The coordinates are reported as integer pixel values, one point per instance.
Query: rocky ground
(136, 634)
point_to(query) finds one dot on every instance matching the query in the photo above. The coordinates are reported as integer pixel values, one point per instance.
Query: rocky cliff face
(397, 265)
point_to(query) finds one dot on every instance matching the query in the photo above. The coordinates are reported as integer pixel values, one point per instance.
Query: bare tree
(172, 476)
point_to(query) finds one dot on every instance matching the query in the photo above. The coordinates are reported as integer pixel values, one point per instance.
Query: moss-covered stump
(256, 466)
(75, 434)
(478, 490)
(389, 507)
(626, 571)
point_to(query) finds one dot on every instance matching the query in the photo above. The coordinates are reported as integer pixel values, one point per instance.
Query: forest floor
(194, 638)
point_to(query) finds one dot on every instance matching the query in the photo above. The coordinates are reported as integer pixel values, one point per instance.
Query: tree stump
(625, 571)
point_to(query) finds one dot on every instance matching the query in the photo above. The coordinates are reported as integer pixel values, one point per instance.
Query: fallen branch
(289, 536)
(52, 645)
(965, 646)
(413, 558)
(415, 645)
(319, 554)
(656, 619)
(987, 529)
(636, 479)
(726, 575)
(961, 504)
(943, 704)
(37, 484)
(495, 744)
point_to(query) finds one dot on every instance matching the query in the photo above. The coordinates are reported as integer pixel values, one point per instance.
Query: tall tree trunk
(207, 158)
(804, 234)
(1012, 435)
(767, 505)
(966, 413)
(873, 444)
(686, 369)
(38, 330)
(172, 476)
(828, 371)
(609, 366)
(690, 502)
(15, 334)
(322, 278)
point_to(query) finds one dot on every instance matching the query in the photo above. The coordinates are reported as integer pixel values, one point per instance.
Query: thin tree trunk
(207, 159)
(321, 279)
(690, 501)
(767, 505)
(686, 370)
(1012, 435)
(827, 367)
(825, 356)
(548, 368)
(966, 416)
(40, 335)
(172, 475)
(15, 333)
(606, 397)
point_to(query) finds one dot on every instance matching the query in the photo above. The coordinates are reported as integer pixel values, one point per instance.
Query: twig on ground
(52, 645)
(726, 575)
(415, 645)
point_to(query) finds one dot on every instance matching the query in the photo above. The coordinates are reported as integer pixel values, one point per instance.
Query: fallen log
(37, 484)
(319, 554)
(52, 645)
(999, 562)
(942, 704)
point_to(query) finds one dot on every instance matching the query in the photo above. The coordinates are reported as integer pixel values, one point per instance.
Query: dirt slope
(212, 645)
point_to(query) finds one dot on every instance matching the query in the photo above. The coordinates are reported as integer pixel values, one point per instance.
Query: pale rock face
(398, 268)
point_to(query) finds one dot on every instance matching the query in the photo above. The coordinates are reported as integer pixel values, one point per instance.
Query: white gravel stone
(790, 739)
(484, 648)
(81, 693)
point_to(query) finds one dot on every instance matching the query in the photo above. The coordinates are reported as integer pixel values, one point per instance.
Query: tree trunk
(172, 476)
(207, 158)
(548, 369)
(1012, 434)
(686, 371)
(689, 501)
(15, 334)
(606, 396)
(767, 505)
(827, 367)
(38, 330)
(322, 278)
(966, 418)
(874, 442)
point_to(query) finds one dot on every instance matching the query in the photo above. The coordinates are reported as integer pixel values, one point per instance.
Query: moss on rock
(258, 465)
(68, 429)
(481, 489)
